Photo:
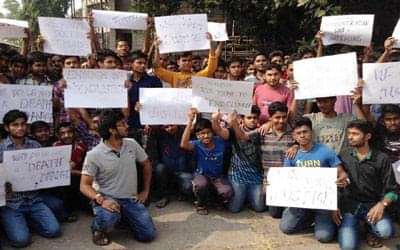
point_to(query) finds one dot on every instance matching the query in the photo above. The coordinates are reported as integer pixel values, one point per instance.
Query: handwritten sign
(396, 170)
(347, 29)
(2, 184)
(396, 35)
(182, 33)
(326, 76)
(218, 31)
(313, 188)
(10, 28)
(36, 101)
(210, 95)
(119, 20)
(65, 36)
(381, 83)
(95, 88)
(164, 106)
(32, 169)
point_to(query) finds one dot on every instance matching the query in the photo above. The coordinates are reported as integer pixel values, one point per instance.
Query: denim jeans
(15, 222)
(275, 212)
(165, 177)
(295, 220)
(202, 185)
(133, 213)
(348, 231)
(252, 192)
(56, 205)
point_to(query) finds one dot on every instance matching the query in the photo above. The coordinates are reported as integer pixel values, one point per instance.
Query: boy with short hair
(37, 62)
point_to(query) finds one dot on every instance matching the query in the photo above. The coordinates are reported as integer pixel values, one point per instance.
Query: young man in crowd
(388, 131)
(371, 191)
(220, 72)
(272, 91)
(23, 206)
(54, 67)
(245, 172)
(182, 79)
(40, 131)
(37, 62)
(18, 70)
(112, 166)
(123, 49)
(209, 152)
(108, 59)
(276, 57)
(260, 65)
(235, 70)
(311, 155)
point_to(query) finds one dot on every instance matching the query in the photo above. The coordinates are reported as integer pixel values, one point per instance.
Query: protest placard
(32, 169)
(36, 101)
(326, 76)
(164, 106)
(119, 20)
(218, 31)
(182, 33)
(396, 34)
(65, 36)
(210, 95)
(95, 88)
(313, 188)
(381, 83)
(347, 29)
(2, 184)
(10, 28)
(396, 170)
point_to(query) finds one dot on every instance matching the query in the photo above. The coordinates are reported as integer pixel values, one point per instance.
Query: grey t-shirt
(114, 175)
(331, 131)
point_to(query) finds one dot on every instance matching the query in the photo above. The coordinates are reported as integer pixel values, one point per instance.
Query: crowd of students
(119, 165)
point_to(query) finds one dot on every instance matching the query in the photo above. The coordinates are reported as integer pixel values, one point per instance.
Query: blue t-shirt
(320, 155)
(210, 162)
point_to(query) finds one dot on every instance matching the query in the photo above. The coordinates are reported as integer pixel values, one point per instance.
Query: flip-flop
(201, 210)
(100, 238)
(162, 203)
(373, 241)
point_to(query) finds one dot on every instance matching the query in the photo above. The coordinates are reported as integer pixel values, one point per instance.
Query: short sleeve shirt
(115, 173)
(319, 156)
(210, 161)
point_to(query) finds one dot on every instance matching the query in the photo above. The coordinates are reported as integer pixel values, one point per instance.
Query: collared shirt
(18, 198)
(146, 81)
(371, 179)
(115, 173)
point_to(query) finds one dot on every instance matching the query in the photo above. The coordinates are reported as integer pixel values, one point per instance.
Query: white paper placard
(95, 88)
(396, 35)
(36, 101)
(312, 188)
(119, 20)
(10, 28)
(381, 83)
(218, 31)
(65, 36)
(2, 185)
(33, 169)
(210, 95)
(182, 33)
(162, 106)
(347, 29)
(326, 76)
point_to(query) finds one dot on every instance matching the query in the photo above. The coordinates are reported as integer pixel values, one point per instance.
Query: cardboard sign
(119, 20)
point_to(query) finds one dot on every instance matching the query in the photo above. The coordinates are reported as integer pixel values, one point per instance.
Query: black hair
(37, 125)
(272, 66)
(77, 57)
(65, 125)
(202, 124)
(109, 121)
(260, 54)
(184, 54)
(222, 63)
(277, 107)
(137, 54)
(13, 115)
(305, 50)
(234, 60)
(19, 59)
(390, 108)
(364, 126)
(102, 54)
(197, 57)
(36, 56)
(275, 53)
(302, 121)
(255, 110)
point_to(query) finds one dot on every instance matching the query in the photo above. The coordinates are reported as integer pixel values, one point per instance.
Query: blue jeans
(348, 231)
(56, 205)
(295, 220)
(133, 213)
(165, 175)
(15, 222)
(254, 194)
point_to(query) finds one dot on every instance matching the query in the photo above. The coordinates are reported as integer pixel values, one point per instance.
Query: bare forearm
(147, 172)
(185, 144)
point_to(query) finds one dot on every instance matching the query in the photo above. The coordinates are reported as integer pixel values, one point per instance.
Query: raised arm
(320, 44)
(216, 126)
(147, 39)
(94, 42)
(26, 42)
(233, 123)
(389, 43)
(185, 141)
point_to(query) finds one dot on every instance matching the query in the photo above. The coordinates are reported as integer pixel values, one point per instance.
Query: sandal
(72, 218)
(100, 238)
(373, 241)
(201, 210)
(162, 203)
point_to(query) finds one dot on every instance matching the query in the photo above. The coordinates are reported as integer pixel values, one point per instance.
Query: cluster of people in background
(119, 166)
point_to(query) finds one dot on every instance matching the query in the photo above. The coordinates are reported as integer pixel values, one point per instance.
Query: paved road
(179, 227)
